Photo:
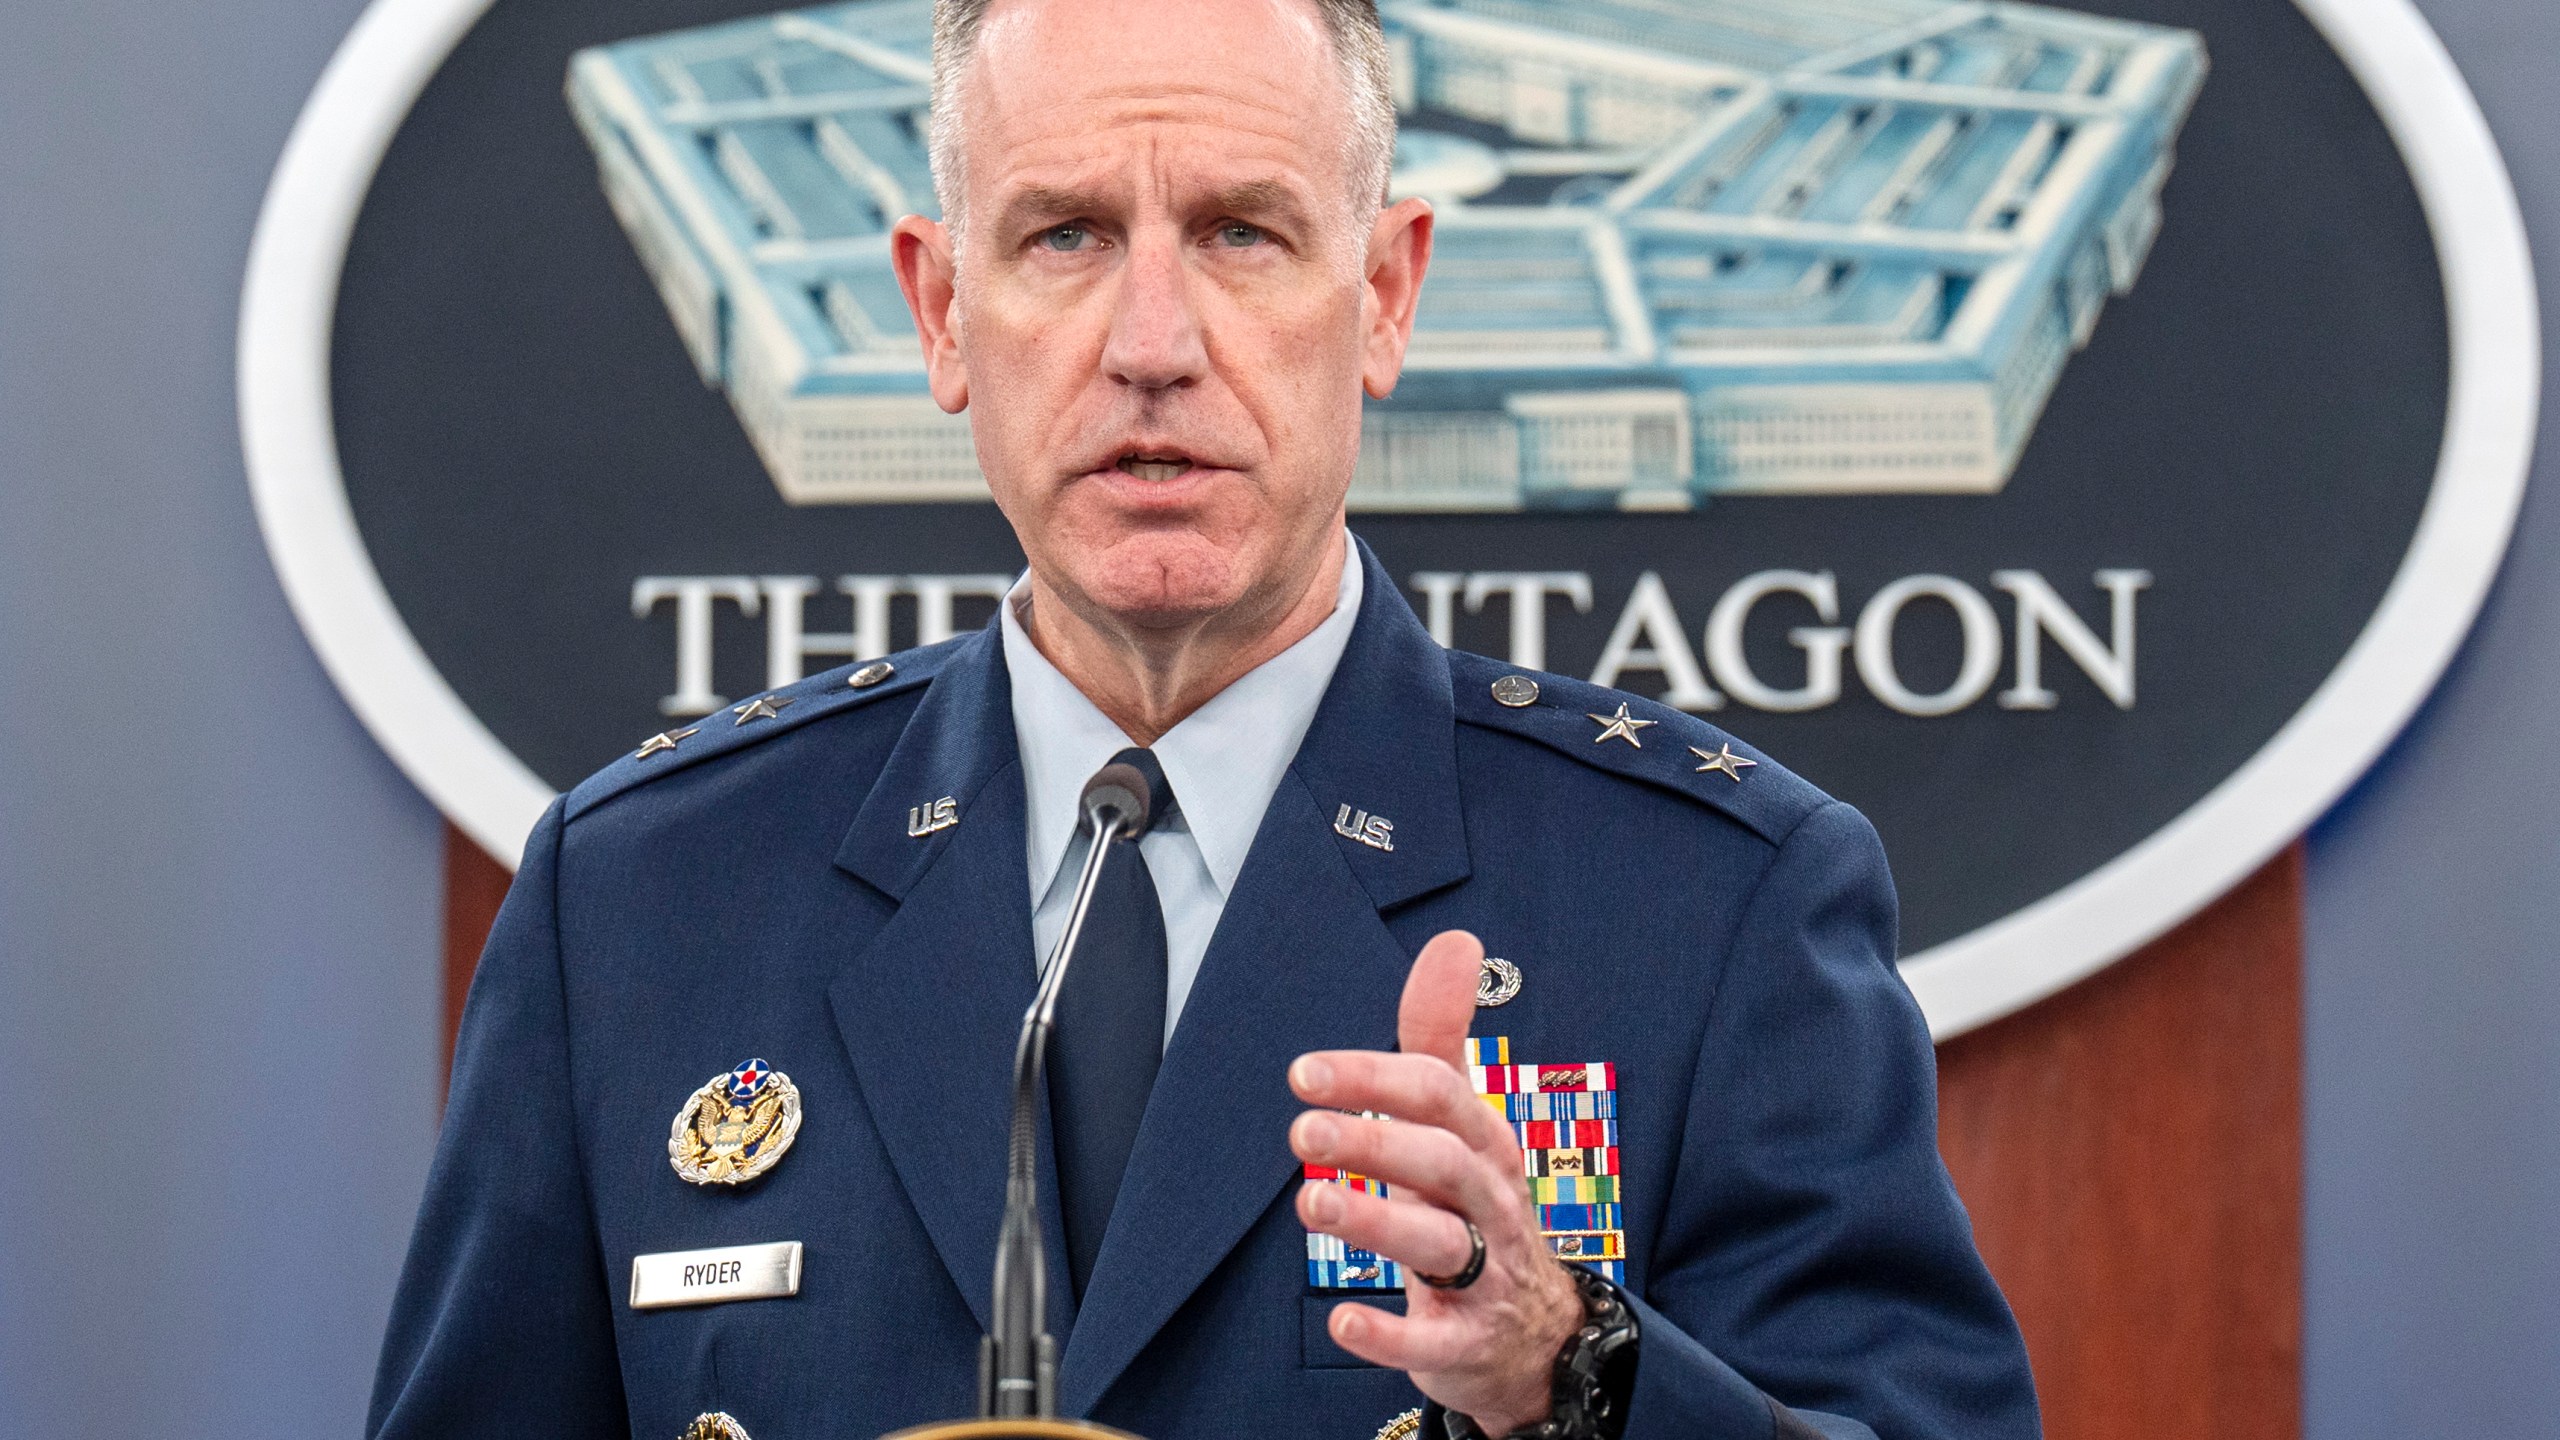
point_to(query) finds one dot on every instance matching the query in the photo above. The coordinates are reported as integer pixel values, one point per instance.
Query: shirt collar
(1223, 761)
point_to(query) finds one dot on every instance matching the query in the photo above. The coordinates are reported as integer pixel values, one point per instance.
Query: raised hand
(1486, 1349)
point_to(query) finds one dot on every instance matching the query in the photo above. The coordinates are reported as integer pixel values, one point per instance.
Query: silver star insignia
(763, 707)
(1620, 726)
(663, 740)
(1723, 761)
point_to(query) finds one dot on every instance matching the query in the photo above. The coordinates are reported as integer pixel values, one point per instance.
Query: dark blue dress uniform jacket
(1791, 1233)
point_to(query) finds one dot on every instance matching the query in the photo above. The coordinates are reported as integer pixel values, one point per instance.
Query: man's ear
(920, 251)
(1399, 251)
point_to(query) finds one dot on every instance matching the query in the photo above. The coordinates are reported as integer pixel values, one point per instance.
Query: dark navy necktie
(1110, 1036)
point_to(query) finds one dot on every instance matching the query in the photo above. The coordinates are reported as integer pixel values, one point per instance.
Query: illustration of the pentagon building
(1686, 247)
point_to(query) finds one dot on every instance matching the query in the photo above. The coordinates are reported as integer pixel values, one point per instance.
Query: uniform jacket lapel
(930, 1006)
(1301, 961)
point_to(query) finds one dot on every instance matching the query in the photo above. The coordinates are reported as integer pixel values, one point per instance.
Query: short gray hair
(1359, 47)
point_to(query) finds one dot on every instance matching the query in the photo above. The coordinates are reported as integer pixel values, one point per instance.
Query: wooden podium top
(1012, 1430)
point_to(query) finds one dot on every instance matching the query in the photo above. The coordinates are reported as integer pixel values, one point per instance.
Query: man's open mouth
(1154, 466)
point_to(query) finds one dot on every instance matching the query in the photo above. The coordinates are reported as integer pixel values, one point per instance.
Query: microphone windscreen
(1122, 789)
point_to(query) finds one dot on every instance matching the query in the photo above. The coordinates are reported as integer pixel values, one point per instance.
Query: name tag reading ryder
(709, 1277)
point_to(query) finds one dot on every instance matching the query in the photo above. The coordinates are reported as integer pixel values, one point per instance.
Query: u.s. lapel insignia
(715, 1425)
(1375, 831)
(923, 820)
(736, 1126)
(1498, 983)
(1406, 1426)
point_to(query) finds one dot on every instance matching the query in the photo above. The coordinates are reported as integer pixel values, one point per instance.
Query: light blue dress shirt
(1223, 761)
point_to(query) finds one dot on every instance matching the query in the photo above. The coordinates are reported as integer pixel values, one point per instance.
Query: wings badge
(736, 1126)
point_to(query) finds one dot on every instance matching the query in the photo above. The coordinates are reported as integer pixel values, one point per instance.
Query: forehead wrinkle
(1019, 116)
(1017, 59)
(1077, 119)
(1063, 173)
(1034, 37)
(1270, 69)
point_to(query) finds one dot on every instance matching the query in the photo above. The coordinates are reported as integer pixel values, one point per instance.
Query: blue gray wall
(218, 901)
(2432, 1096)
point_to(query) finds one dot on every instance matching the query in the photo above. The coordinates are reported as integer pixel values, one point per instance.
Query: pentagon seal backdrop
(2055, 431)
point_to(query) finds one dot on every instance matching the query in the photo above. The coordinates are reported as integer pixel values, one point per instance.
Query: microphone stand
(1018, 1359)
(1017, 1362)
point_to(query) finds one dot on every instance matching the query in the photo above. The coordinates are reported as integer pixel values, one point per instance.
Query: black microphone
(1017, 1362)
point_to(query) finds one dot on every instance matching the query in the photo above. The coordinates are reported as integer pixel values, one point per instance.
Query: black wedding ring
(1466, 1277)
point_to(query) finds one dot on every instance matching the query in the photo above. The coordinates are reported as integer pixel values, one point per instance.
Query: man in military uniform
(1319, 1160)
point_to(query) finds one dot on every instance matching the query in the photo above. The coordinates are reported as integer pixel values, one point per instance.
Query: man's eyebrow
(1259, 198)
(1048, 202)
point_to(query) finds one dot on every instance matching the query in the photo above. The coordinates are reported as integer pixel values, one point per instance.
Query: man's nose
(1156, 341)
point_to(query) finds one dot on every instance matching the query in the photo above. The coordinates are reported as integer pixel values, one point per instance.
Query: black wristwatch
(1595, 1374)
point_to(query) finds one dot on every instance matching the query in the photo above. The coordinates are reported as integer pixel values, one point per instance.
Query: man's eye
(1237, 235)
(1067, 238)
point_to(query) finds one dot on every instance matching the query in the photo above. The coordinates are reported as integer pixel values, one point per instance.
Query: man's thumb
(1440, 998)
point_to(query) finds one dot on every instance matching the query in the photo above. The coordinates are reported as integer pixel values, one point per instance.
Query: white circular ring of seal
(289, 301)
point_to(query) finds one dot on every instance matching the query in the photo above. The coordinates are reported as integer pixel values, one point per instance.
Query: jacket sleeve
(503, 1322)
(1815, 1274)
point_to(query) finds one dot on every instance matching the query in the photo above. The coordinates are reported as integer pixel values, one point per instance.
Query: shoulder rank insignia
(1566, 1119)
(1722, 762)
(1621, 726)
(665, 740)
(735, 1127)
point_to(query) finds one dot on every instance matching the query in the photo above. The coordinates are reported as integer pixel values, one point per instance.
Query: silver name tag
(708, 1277)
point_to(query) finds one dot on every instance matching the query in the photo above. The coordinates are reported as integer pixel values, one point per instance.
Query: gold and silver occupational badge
(736, 1126)
(1406, 1426)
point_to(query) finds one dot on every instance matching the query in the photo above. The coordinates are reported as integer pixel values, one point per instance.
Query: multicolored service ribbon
(1566, 1119)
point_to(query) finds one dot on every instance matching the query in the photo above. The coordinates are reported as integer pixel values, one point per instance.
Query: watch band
(1594, 1374)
